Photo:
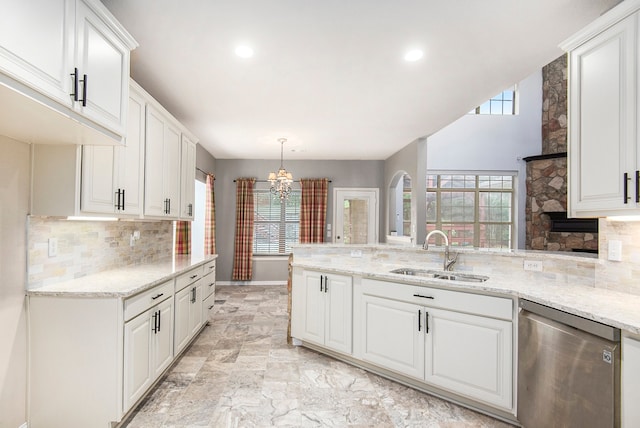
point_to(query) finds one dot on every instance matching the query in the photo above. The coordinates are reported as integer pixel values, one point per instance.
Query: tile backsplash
(87, 247)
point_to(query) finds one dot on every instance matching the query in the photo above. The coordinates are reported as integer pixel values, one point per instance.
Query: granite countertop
(123, 282)
(613, 308)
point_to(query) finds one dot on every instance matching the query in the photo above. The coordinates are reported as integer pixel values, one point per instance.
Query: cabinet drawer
(209, 268)
(187, 278)
(207, 309)
(135, 305)
(478, 304)
(208, 283)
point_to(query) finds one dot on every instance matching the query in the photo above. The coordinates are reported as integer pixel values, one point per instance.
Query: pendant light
(281, 181)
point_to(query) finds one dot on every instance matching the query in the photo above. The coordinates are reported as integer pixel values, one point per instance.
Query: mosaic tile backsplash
(87, 247)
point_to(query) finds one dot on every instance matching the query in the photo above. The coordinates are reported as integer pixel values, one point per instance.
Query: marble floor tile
(240, 372)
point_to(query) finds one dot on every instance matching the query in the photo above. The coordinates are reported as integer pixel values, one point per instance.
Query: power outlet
(53, 247)
(533, 265)
(356, 253)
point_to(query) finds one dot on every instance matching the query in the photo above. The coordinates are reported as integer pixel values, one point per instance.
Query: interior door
(355, 216)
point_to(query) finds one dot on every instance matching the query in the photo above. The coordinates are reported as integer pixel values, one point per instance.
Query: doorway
(355, 216)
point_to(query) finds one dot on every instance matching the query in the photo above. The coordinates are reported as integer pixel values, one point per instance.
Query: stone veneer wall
(87, 247)
(547, 178)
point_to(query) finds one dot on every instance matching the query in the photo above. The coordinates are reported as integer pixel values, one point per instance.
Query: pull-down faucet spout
(448, 261)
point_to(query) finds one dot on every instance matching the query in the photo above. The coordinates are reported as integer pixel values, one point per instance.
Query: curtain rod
(267, 181)
(205, 172)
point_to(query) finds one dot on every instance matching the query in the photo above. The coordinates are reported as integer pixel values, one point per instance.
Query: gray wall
(205, 162)
(356, 173)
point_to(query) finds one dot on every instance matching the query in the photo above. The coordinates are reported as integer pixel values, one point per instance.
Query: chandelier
(281, 181)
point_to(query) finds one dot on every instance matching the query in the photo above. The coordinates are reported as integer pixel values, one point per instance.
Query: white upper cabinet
(187, 178)
(64, 66)
(604, 176)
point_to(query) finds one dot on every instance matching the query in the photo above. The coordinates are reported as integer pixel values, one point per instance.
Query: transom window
(276, 225)
(502, 104)
(475, 209)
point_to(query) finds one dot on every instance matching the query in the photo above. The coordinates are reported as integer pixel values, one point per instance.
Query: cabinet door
(130, 159)
(182, 328)
(171, 166)
(154, 199)
(313, 297)
(162, 342)
(98, 194)
(187, 178)
(602, 145)
(470, 355)
(38, 54)
(207, 309)
(393, 335)
(138, 374)
(104, 59)
(195, 310)
(338, 312)
(630, 382)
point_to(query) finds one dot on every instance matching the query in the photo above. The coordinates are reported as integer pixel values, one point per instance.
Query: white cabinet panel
(630, 382)
(163, 338)
(98, 165)
(392, 335)
(187, 178)
(470, 355)
(36, 41)
(327, 313)
(137, 351)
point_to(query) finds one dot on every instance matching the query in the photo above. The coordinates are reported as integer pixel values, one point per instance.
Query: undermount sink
(439, 274)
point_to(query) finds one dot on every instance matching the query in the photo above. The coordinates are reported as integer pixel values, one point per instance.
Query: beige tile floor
(240, 372)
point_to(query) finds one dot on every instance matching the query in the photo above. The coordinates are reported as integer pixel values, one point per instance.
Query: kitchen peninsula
(364, 307)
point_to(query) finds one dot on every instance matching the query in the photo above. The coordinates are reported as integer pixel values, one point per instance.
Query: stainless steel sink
(439, 274)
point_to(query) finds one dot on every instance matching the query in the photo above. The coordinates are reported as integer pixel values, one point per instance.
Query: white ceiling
(329, 75)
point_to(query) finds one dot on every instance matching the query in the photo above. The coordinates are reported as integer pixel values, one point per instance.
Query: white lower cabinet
(323, 314)
(630, 382)
(188, 308)
(470, 355)
(456, 341)
(392, 335)
(148, 349)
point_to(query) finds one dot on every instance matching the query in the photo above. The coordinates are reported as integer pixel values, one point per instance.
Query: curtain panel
(183, 237)
(210, 217)
(243, 247)
(313, 209)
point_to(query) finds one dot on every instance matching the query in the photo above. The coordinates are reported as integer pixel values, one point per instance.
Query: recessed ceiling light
(244, 51)
(413, 55)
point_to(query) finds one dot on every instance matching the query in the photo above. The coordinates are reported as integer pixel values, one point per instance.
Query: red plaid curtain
(183, 237)
(210, 218)
(243, 249)
(313, 209)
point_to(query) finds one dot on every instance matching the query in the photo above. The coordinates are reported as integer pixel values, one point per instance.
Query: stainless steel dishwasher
(568, 370)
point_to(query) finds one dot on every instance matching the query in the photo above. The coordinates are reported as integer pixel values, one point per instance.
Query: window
(276, 225)
(502, 104)
(476, 210)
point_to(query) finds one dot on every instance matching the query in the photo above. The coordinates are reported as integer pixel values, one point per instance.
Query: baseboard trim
(251, 282)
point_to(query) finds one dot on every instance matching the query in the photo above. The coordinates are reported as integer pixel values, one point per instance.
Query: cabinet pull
(637, 187)
(122, 200)
(190, 210)
(193, 276)
(75, 84)
(84, 91)
(212, 267)
(321, 279)
(193, 295)
(422, 296)
(326, 283)
(419, 320)
(626, 187)
(155, 322)
(169, 209)
(157, 296)
(211, 285)
(426, 322)
(159, 318)
(118, 199)
(210, 307)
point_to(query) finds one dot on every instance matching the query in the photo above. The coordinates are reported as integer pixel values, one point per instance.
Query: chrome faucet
(448, 261)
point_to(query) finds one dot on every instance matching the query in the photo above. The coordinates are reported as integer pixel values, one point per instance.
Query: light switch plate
(615, 250)
(53, 247)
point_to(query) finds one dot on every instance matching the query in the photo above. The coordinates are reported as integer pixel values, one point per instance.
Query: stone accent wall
(554, 106)
(87, 247)
(547, 178)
